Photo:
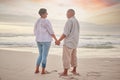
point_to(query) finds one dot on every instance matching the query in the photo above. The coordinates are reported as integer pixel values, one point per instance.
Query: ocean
(85, 41)
(94, 40)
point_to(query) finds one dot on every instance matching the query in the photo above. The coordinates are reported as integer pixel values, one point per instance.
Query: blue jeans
(43, 48)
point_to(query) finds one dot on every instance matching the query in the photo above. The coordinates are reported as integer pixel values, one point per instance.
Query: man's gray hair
(72, 10)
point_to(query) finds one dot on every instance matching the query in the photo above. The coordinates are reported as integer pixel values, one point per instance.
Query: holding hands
(57, 42)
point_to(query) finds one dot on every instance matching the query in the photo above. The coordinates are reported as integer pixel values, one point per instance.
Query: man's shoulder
(69, 20)
(73, 19)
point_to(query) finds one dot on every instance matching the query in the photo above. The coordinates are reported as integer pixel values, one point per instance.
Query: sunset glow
(91, 5)
(87, 5)
(85, 9)
(41, 0)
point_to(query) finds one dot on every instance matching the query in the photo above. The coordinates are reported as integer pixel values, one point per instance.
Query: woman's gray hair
(42, 11)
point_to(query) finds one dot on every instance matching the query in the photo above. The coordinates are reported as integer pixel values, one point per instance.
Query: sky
(57, 8)
(88, 5)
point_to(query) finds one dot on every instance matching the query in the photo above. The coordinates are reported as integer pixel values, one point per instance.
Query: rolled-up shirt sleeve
(67, 28)
(49, 27)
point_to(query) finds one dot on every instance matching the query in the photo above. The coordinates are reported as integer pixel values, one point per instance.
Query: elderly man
(71, 39)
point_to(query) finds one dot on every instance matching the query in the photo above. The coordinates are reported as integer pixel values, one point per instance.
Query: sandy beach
(18, 65)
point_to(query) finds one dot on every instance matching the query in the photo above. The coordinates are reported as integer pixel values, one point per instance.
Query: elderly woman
(44, 34)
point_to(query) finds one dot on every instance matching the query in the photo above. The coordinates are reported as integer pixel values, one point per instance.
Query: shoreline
(20, 65)
(81, 52)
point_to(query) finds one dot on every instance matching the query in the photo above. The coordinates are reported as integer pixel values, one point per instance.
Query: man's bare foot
(75, 73)
(37, 71)
(63, 74)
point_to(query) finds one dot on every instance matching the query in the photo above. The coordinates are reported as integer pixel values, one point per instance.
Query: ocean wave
(85, 45)
(11, 44)
(85, 41)
(81, 36)
(14, 35)
(97, 46)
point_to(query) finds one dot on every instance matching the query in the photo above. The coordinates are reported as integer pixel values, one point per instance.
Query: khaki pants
(69, 57)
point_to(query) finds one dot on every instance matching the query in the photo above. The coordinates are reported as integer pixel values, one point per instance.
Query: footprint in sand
(92, 75)
(49, 72)
(70, 77)
(52, 71)
(97, 74)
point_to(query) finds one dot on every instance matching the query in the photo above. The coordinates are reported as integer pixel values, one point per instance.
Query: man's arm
(66, 32)
(61, 38)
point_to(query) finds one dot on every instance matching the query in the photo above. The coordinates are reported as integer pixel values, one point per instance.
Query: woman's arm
(54, 37)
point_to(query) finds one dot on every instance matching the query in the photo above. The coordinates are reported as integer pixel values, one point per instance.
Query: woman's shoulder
(37, 20)
(47, 21)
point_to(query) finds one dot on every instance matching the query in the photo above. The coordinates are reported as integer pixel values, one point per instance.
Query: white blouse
(43, 30)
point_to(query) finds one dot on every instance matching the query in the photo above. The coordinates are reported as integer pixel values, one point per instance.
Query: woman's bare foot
(45, 72)
(37, 71)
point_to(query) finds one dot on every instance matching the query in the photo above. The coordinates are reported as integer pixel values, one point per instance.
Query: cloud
(40, 0)
(4, 1)
(94, 5)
